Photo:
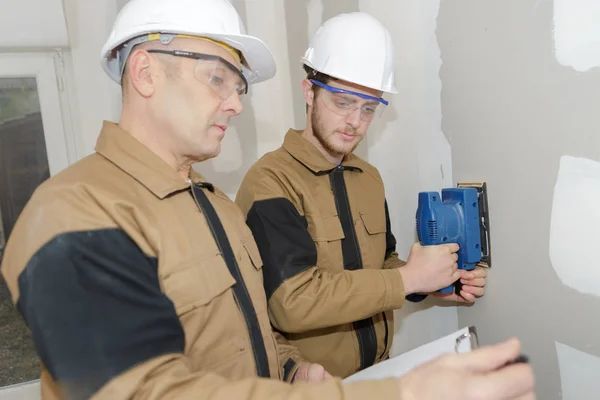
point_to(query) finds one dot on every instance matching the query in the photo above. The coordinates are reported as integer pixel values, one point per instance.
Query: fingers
(468, 297)
(455, 274)
(478, 282)
(477, 273)
(473, 290)
(453, 247)
(480, 272)
(515, 381)
(489, 358)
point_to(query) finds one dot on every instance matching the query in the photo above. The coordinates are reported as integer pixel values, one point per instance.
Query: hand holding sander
(460, 215)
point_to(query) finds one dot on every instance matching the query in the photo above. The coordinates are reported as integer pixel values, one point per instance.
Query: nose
(233, 104)
(353, 119)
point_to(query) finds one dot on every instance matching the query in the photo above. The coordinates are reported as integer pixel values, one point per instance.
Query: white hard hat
(215, 19)
(354, 47)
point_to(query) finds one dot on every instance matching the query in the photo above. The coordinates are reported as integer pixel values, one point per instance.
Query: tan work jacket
(330, 264)
(139, 285)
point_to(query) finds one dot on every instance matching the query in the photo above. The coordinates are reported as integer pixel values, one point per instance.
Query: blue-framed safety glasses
(345, 102)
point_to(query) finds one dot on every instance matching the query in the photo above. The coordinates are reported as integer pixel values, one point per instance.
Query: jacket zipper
(240, 291)
(365, 331)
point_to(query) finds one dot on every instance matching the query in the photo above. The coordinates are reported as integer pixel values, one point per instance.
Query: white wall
(94, 97)
(32, 24)
(409, 148)
(267, 111)
(516, 108)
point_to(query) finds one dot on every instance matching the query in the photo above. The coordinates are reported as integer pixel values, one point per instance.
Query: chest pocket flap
(324, 228)
(374, 222)
(253, 253)
(198, 284)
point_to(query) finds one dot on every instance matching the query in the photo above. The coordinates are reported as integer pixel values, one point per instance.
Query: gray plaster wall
(511, 111)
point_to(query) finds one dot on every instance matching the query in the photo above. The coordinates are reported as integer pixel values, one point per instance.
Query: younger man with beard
(320, 218)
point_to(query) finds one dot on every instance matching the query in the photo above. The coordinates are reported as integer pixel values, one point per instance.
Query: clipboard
(463, 340)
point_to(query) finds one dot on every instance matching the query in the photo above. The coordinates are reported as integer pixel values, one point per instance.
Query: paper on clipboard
(461, 341)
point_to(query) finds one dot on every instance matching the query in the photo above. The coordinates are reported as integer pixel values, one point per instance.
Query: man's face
(194, 113)
(340, 134)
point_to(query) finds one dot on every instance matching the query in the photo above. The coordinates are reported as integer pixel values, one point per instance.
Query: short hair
(312, 73)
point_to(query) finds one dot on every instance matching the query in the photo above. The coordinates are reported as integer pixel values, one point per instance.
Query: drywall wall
(577, 33)
(575, 224)
(32, 24)
(267, 111)
(409, 148)
(579, 373)
(407, 144)
(512, 111)
(93, 96)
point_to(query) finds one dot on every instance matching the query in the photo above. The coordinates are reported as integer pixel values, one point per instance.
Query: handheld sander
(460, 215)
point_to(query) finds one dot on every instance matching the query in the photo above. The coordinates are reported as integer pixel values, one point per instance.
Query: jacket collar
(309, 156)
(141, 163)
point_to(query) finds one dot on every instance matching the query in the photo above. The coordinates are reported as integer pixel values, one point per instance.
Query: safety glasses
(216, 72)
(345, 102)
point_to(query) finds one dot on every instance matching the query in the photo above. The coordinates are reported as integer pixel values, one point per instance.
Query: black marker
(520, 359)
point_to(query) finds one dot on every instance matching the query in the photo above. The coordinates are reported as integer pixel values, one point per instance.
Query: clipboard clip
(471, 335)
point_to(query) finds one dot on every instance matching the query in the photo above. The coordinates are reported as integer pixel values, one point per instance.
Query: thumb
(489, 358)
(316, 373)
(415, 247)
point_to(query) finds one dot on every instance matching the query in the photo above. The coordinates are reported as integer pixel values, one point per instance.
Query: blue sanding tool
(460, 215)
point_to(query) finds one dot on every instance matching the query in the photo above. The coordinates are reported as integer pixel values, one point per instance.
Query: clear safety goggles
(216, 72)
(345, 102)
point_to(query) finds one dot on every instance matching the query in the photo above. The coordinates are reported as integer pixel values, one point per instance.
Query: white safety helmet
(354, 47)
(143, 20)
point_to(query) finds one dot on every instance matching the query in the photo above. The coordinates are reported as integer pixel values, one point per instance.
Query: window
(33, 146)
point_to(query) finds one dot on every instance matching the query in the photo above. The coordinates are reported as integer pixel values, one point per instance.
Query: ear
(139, 67)
(309, 94)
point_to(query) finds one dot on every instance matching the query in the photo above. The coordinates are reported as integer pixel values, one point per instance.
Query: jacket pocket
(253, 253)
(324, 228)
(374, 222)
(198, 284)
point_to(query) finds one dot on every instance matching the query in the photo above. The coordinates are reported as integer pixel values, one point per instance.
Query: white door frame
(46, 68)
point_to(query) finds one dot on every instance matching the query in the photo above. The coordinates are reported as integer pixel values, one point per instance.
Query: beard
(325, 138)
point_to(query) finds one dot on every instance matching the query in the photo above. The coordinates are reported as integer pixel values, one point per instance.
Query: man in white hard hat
(138, 279)
(320, 217)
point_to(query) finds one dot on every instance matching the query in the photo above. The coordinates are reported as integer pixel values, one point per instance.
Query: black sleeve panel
(93, 302)
(285, 245)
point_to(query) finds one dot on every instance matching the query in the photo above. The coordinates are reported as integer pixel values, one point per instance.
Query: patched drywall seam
(577, 33)
(408, 147)
(435, 155)
(579, 373)
(575, 224)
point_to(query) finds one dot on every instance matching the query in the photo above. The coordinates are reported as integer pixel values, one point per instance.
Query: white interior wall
(32, 24)
(268, 112)
(525, 119)
(409, 148)
(93, 96)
